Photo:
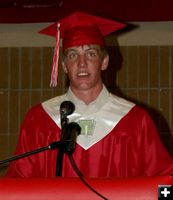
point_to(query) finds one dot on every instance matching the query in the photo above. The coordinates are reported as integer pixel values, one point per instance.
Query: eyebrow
(68, 50)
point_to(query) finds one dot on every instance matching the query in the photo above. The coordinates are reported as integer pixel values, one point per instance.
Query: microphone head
(67, 108)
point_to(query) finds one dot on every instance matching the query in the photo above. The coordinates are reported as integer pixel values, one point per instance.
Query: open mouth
(83, 74)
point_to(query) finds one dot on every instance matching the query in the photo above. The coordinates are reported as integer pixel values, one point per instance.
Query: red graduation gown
(132, 148)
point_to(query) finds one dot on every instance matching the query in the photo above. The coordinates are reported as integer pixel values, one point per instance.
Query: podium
(140, 188)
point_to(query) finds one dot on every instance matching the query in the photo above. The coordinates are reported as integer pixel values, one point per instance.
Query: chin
(83, 86)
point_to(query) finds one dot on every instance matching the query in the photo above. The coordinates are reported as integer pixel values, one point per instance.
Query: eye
(71, 55)
(92, 54)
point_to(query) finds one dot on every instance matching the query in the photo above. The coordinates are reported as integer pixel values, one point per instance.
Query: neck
(88, 95)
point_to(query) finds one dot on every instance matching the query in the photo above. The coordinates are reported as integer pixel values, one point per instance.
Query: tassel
(54, 74)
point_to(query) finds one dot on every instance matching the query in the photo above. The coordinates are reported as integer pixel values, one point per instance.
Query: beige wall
(145, 33)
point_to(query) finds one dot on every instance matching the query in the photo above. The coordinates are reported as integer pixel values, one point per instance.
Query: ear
(105, 62)
(64, 67)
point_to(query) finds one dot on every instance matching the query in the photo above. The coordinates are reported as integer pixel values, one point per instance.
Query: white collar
(106, 111)
(92, 107)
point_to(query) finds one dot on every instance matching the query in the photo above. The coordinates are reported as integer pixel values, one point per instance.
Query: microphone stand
(60, 156)
(66, 108)
(65, 145)
(51, 146)
(64, 137)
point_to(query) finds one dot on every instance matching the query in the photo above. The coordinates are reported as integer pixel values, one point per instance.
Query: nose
(82, 61)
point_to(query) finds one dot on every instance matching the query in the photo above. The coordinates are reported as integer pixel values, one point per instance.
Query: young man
(117, 138)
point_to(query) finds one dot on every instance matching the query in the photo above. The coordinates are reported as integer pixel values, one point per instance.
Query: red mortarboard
(78, 29)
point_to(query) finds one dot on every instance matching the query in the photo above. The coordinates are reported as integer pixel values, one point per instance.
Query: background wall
(141, 69)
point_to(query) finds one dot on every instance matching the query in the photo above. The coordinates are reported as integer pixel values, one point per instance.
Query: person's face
(83, 65)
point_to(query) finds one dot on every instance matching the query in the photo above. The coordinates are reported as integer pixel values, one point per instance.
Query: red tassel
(54, 74)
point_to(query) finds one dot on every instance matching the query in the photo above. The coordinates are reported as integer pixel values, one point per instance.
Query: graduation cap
(78, 29)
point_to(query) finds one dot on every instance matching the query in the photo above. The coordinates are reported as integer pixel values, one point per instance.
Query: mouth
(82, 74)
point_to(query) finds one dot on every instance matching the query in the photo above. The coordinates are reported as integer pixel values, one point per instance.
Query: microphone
(73, 130)
(67, 108)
